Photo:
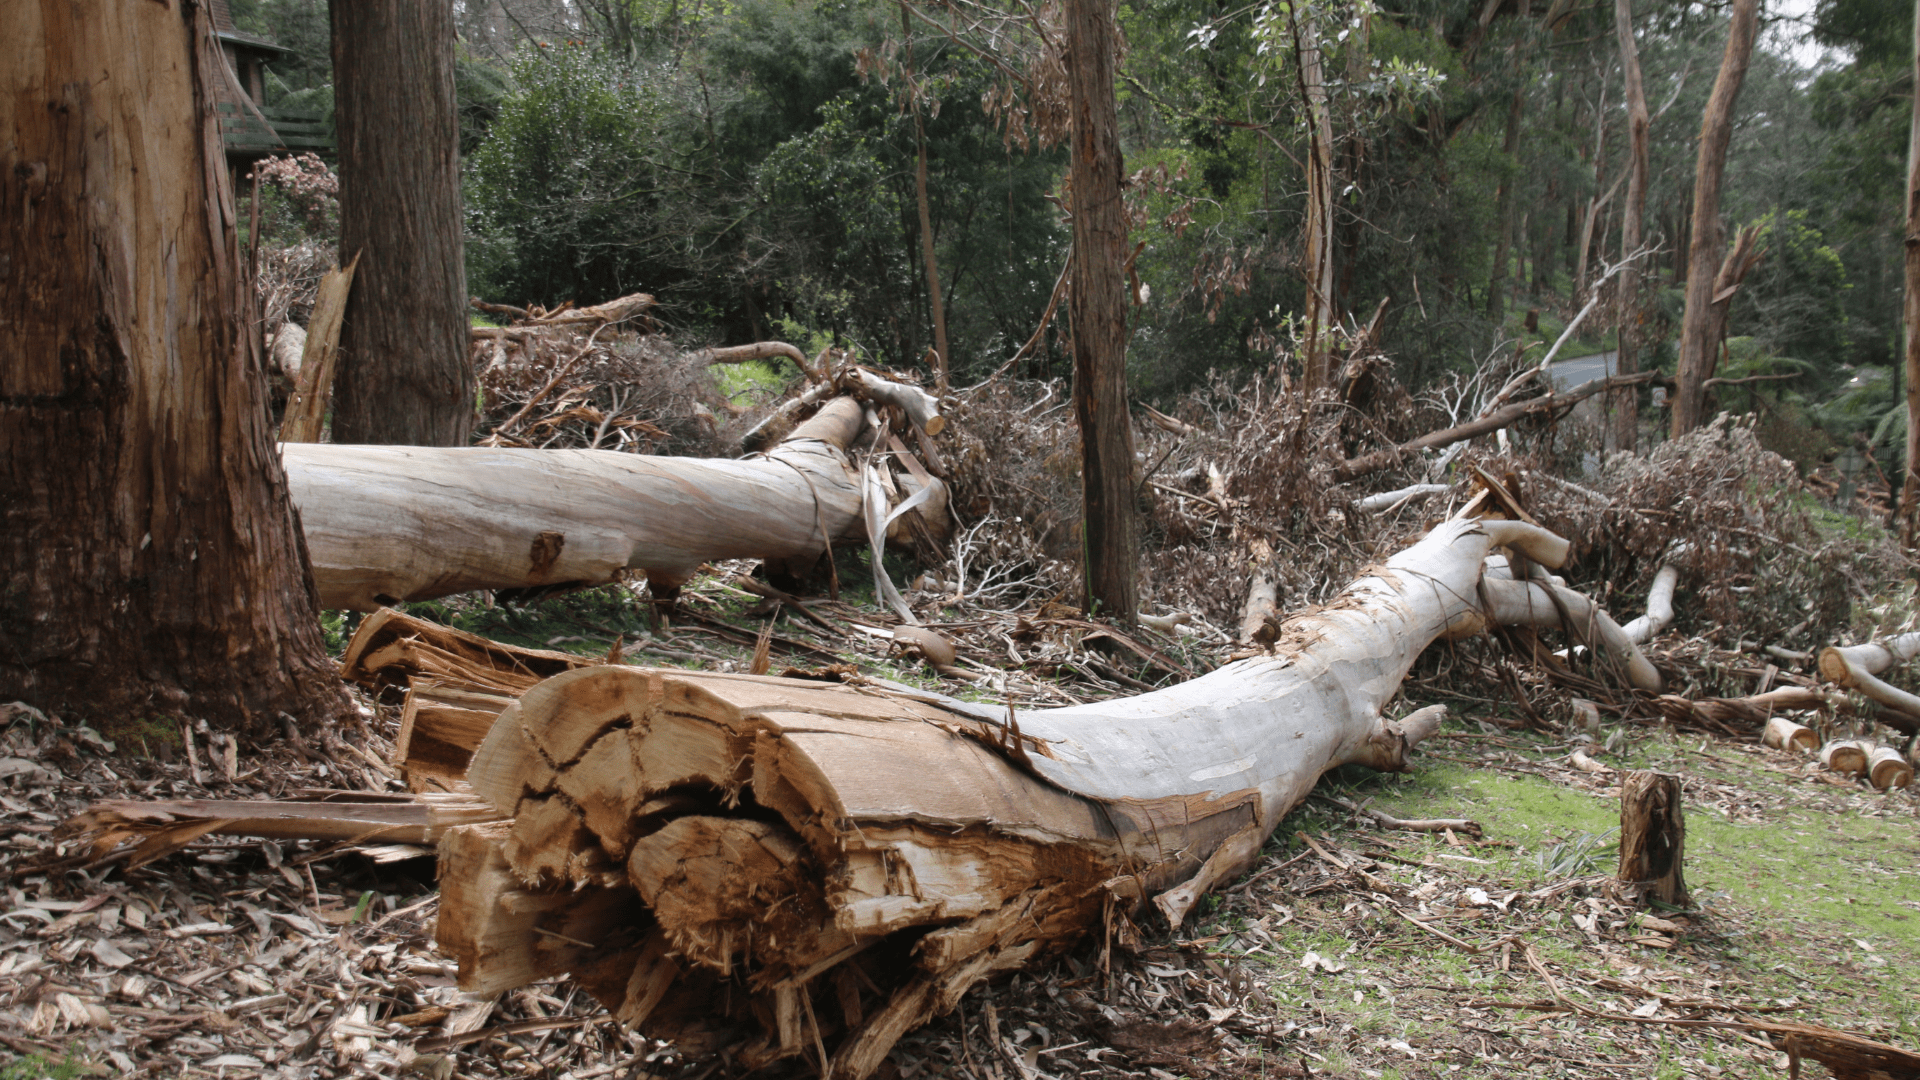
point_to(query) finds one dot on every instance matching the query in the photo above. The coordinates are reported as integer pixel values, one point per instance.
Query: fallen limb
(1659, 607)
(732, 843)
(1755, 709)
(1856, 667)
(1387, 500)
(765, 350)
(386, 524)
(1506, 416)
(1388, 821)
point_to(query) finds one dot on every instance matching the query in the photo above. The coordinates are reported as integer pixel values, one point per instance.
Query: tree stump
(1653, 835)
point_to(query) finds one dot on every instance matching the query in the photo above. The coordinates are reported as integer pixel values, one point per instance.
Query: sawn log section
(785, 867)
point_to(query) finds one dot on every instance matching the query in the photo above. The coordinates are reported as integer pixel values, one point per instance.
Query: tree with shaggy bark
(404, 376)
(1098, 307)
(149, 557)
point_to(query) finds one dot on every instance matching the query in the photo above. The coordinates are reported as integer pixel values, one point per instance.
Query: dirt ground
(1352, 951)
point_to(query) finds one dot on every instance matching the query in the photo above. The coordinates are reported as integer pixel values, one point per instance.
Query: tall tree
(1700, 325)
(1910, 490)
(942, 359)
(150, 560)
(1503, 209)
(1098, 309)
(404, 376)
(1625, 404)
(1319, 218)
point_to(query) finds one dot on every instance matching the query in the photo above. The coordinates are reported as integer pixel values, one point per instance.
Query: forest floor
(1350, 952)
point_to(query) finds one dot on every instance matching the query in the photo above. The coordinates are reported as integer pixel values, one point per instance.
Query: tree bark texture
(1097, 304)
(1625, 405)
(403, 372)
(1653, 836)
(150, 561)
(387, 524)
(1910, 485)
(1699, 344)
(1319, 219)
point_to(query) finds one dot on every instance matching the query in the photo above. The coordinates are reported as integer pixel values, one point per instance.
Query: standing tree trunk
(1699, 344)
(149, 558)
(942, 360)
(1503, 209)
(1319, 222)
(404, 376)
(1910, 488)
(1098, 307)
(1625, 405)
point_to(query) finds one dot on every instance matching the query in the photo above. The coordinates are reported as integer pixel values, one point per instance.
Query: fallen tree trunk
(782, 866)
(387, 524)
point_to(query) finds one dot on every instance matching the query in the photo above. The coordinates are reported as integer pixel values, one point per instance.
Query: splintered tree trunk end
(1653, 835)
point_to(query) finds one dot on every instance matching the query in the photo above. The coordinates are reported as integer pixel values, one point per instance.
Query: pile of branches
(596, 378)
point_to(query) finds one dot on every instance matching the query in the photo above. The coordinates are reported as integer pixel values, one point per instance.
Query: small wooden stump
(1653, 835)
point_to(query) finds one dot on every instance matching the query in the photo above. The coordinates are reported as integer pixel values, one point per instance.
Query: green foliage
(1796, 299)
(568, 183)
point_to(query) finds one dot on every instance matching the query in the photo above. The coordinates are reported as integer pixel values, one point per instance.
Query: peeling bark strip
(386, 524)
(777, 865)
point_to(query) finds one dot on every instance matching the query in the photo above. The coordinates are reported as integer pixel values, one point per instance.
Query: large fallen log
(783, 866)
(386, 523)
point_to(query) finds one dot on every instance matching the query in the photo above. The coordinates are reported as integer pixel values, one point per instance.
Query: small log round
(1844, 756)
(1784, 734)
(1887, 769)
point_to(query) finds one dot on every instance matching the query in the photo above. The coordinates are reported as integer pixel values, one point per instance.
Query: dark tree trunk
(1910, 486)
(1625, 403)
(1098, 307)
(1503, 209)
(150, 562)
(404, 376)
(1699, 344)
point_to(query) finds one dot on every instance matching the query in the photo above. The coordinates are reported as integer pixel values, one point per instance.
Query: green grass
(38, 1067)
